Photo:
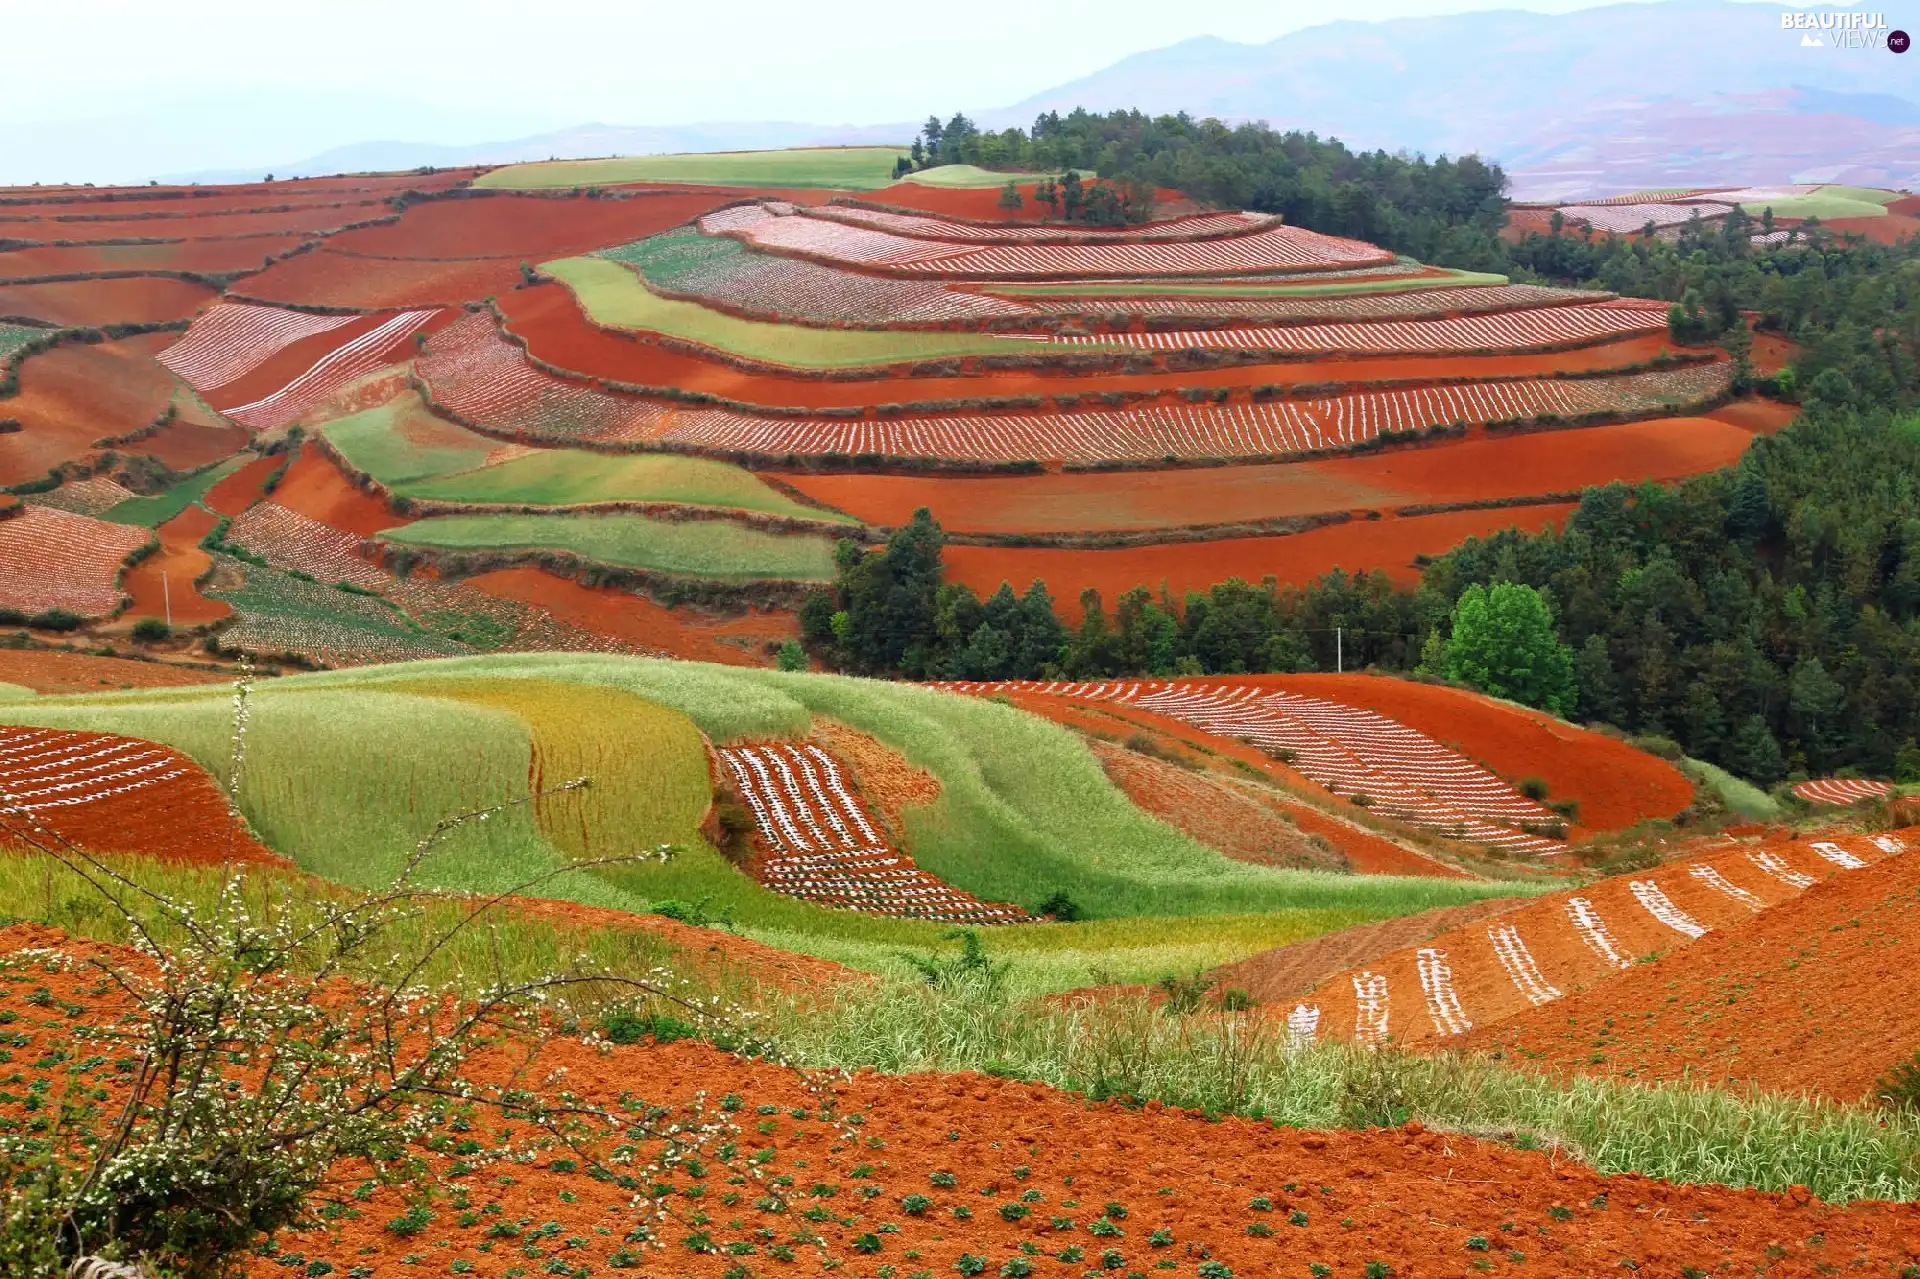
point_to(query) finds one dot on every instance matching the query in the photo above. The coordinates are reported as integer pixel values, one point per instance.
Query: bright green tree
(1504, 644)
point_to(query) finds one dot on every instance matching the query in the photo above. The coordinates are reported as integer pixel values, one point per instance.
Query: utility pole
(1339, 650)
(166, 597)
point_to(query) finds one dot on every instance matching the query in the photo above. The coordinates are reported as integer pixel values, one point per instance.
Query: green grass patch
(401, 441)
(152, 512)
(847, 168)
(707, 549)
(617, 297)
(1278, 288)
(279, 612)
(968, 175)
(1742, 797)
(15, 692)
(1825, 204)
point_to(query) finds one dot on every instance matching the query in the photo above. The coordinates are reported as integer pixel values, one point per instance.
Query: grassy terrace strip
(1024, 810)
(152, 512)
(846, 168)
(616, 297)
(693, 549)
(414, 454)
(276, 612)
(968, 175)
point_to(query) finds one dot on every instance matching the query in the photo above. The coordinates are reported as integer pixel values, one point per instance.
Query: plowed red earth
(1615, 784)
(241, 489)
(555, 331)
(959, 202)
(1814, 994)
(151, 800)
(290, 362)
(1885, 229)
(1761, 417)
(532, 227)
(75, 394)
(1366, 852)
(212, 256)
(178, 561)
(82, 303)
(1771, 352)
(637, 620)
(57, 671)
(330, 216)
(1287, 972)
(322, 278)
(193, 439)
(314, 488)
(1357, 546)
(1477, 469)
(1406, 1199)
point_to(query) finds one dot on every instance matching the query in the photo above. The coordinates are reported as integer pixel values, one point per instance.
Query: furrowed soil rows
(325, 278)
(525, 226)
(1389, 545)
(487, 381)
(1471, 470)
(1537, 953)
(52, 559)
(782, 228)
(360, 348)
(820, 843)
(227, 341)
(1401, 773)
(1805, 994)
(92, 303)
(1403, 304)
(112, 794)
(1841, 790)
(1193, 227)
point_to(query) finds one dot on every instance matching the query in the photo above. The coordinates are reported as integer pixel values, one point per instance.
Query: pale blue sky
(619, 61)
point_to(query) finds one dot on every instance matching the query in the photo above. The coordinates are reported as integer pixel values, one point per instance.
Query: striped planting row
(1448, 1007)
(823, 846)
(1401, 773)
(786, 228)
(778, 287)
(1501, 331)
(1841, 790)
(921, 226)
(227, 341)
(43, 769)
(1403, 303)
(329, 373)
(51, 559)
(1625, 219)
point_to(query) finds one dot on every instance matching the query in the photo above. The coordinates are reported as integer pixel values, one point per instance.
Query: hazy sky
(617, 61)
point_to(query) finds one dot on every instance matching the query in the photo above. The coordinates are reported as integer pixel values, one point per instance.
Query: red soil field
(556, 331)
(1475, 469)
(241, 489)
(194, 438)
(1615, 784)
(210, 256)
(153, 300)
(58, 671)
(1389, 544)
(314, 488)
(980, 203)
(1771, 353)
(311, 221)
(528, 227)
(1405, 1198)
(141, 797)
(179, 560)
(1815, 993)
(1762, 417)
(195, 203)
(637, 620)
(51, 559)
(75, 394)
(1885, 229)
(322, 278)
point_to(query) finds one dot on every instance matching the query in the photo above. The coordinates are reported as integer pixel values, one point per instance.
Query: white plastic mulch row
(1501, 331)
(1841, 790)
(1511, 950)
(1443, 1001)
(1594, 932)
(1625, 219)
(227, 341)
(932, 227)
(42, 769)
(823, 845)
(329, 373)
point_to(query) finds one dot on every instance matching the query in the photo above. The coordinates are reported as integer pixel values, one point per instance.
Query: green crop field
(1024, 809)
(152, 512)
(1826, 204)
(417, 455)
(967, 175)
(848, 168)
(709, 549)
(614, 295)
(15, 336)
(279, 612)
